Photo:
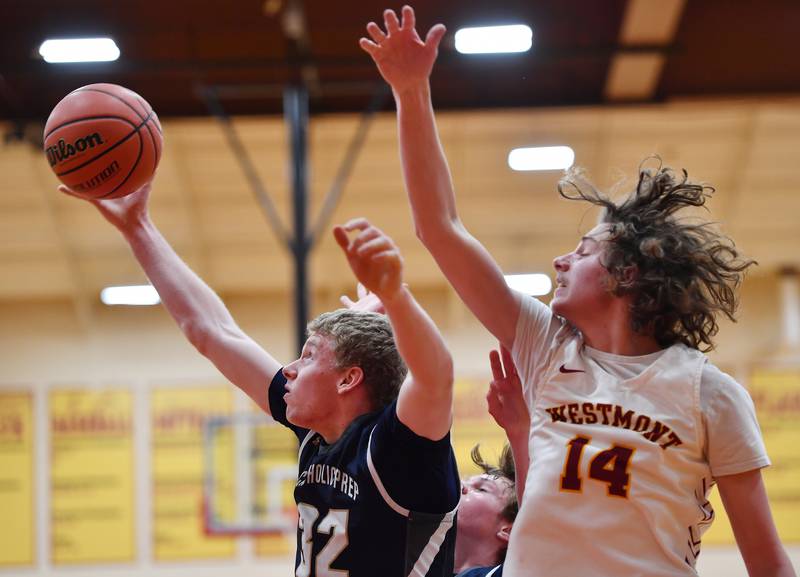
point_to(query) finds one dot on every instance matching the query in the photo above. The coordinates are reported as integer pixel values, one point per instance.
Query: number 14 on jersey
(610, 466)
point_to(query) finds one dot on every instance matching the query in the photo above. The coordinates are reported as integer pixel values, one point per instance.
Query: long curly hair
(682, 273)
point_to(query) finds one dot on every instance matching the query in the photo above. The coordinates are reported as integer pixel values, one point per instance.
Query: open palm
(120, 211)
(403, 59)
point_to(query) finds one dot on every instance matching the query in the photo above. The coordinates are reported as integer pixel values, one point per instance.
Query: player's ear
(352, 377)
(504, 534)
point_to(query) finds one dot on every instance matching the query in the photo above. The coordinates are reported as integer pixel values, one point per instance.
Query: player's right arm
(425, 401)
(198, 311)
(405, 62)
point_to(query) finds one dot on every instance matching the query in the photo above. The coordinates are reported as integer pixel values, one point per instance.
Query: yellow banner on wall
(275, 463)
(16, 479)
(473, 425)
(776, 395)
(178, 416)
(91, 476)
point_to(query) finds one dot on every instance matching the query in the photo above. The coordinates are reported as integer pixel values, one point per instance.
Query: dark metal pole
(295, 110)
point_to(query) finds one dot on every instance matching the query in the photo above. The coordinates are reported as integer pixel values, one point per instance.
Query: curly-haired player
(631, 426)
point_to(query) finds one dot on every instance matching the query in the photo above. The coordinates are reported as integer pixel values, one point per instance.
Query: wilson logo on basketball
(62, 150)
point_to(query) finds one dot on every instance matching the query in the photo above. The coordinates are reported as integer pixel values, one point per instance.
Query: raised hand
(403, 58)
(367, 301)
(121, 212)
(373, 256)
(506, 403)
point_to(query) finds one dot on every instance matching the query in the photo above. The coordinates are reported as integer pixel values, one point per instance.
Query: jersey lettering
(570, 480)
(307, 515)
(335, 525)
(610, 466)
(615, 416)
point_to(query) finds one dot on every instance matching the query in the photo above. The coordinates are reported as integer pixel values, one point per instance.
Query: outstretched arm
(425, 403)
(197, 310)
(405, 62)
(747, 507)
(507, 407)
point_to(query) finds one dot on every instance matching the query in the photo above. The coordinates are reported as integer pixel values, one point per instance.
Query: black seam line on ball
(91, 160)
(85, 118)
(114, 96)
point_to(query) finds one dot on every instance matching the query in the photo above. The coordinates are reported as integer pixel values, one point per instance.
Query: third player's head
(350, 358)
(675, 273)
(488, 505)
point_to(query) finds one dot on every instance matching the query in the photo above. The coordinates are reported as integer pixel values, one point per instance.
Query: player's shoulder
(533, 311)
(715, 379)
(718, 388)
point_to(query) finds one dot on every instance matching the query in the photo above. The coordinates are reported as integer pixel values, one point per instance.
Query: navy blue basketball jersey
(496, 571)
(380, 501)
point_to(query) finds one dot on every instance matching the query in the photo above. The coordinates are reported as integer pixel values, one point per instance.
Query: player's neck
(470, 552)
(612, 332)
(339, 419)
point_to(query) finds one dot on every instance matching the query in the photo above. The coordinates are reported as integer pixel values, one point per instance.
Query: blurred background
(103, 409)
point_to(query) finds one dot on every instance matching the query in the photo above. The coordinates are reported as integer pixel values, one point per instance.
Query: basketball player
(631, 425)
(366, 435)
(487, 511)
(490, 502)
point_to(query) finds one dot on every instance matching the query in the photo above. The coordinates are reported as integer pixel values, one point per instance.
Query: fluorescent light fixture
(537, 284)
(79, 50)
(541, 158)
(130, 295)
(494, 39)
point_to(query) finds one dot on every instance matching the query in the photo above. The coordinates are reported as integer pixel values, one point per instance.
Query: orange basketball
(103, 140)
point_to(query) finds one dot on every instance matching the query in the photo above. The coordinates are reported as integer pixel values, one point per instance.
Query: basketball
(103, 141)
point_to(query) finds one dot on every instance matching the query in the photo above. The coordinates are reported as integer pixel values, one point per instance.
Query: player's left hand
(403, 58)
(506, 403)
(373, 256)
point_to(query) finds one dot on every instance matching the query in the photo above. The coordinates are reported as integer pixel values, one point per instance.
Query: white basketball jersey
(618, 479)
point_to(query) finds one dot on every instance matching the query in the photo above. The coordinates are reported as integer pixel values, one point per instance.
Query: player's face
(581, 279)
(311, 383)
(483, 498)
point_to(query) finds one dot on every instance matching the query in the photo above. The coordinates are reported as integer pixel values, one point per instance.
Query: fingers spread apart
(391, 21)
(375, 33)
(409, 19)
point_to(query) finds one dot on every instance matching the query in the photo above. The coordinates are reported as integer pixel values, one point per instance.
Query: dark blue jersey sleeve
(419, 474)
(496, 571)
(277, 406)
